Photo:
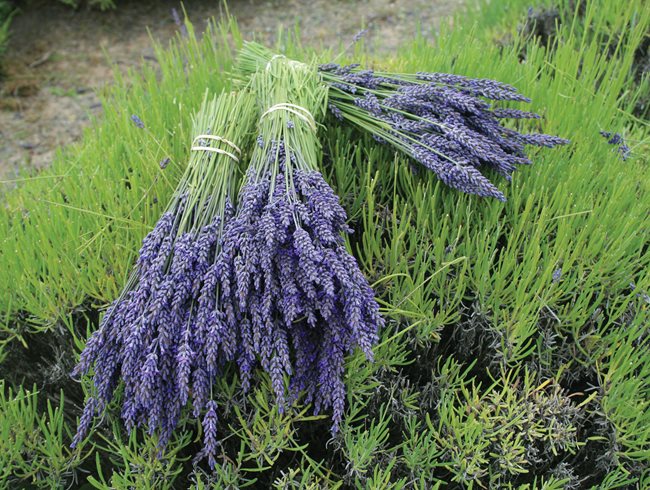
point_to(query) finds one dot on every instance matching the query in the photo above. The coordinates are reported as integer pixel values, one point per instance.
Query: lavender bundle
(288, 283)
(154, 337)
(270, 284)
(446, 122)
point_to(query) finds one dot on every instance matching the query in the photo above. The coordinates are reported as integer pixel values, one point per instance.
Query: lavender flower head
(137, 121)
(301, 298)
(359, 36)
(442, 121)
(179, 22)
(450, 124)
(161, 339)
(616, 139)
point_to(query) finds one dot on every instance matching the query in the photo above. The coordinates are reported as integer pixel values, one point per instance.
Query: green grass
(491, 373)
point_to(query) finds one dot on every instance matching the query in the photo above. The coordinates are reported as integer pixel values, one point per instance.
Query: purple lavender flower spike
(210, 433)
(557, 275)
(491, 89)
(442, 78)
(85, 422)
(184, 360)
(137, 121)
(179, 22)
(200, 390)
(462, 177)
(618, 140)
(514, 114)
(291, 236)
(359, 35)
(336, 112)
(546, 140)
(443, 121)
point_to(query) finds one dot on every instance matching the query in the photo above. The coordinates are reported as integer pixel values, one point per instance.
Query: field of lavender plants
(506, 344)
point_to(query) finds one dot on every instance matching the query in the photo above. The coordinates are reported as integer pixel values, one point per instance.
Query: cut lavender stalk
(448, 123)
(288, 281)
(154, 338)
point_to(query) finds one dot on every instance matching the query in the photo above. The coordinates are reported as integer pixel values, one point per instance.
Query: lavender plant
(154, 338)
(289, 285)
(448, 123)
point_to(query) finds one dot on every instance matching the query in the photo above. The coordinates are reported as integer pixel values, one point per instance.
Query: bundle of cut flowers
(288, 282)
(152, 338)
(446, 122)
(269, 284)
(261, 277)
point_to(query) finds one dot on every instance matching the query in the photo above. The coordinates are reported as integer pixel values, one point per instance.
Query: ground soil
(58, 58)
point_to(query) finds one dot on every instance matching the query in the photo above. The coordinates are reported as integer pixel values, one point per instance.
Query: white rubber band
(216, 138)
(289, 61)
(215, 150)
(299, 111)
(275, 56)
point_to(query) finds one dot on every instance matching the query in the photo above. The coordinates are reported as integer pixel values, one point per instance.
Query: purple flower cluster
(291, 290)
(616, 139)
(155, 336)
(271, 285)
(443, 121)
(359, 35)
(137, 121)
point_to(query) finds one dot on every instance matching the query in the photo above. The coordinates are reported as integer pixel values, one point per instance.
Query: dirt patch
(58, 58)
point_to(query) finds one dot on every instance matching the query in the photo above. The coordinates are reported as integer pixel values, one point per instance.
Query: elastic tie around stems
(290, 62)
(297, 110)
(275, 56)
(215, 150)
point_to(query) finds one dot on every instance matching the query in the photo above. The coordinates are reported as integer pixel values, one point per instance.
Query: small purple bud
(137, 121)
(557, 275)
(623, 150)
(164, 162)
(359, 35)
(179, 23)
(617, 139)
